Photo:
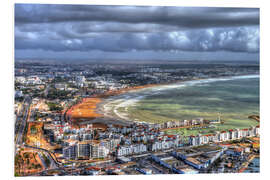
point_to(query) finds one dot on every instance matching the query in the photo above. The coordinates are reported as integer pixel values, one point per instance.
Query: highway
(18, 120)
(42, 160)
(20, 126)
(21, 122)
(53, 160)
(46, 91)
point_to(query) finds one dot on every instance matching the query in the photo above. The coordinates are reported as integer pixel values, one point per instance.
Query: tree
(54, 106)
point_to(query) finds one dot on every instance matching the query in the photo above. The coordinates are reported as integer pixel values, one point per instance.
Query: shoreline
(99, 106)
(113, 113)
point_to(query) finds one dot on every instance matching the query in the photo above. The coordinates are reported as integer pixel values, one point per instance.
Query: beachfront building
(141, 139)
(232, 134)
(257, 130)
(223, 136)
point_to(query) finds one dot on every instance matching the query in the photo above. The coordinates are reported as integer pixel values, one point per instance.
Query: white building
(99, 151)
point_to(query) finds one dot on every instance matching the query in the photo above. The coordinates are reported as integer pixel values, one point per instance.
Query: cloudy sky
(136, 32)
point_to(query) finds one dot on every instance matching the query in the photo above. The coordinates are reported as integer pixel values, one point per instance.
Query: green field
(232, 124)
(229, 121)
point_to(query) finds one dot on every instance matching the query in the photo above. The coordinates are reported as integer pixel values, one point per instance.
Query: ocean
(231, 98)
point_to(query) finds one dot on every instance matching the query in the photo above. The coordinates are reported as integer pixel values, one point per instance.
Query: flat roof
(188, 170)
(210, 154)
(184, 151)
(193, 160)
(162, 155)
(207, 148)
(170, 160)
(123, 158)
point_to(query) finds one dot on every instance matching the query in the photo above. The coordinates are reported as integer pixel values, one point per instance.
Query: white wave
(131, 98)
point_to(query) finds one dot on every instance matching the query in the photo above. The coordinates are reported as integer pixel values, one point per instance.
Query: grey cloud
(185, 17)
(123, 29)
(230, 39)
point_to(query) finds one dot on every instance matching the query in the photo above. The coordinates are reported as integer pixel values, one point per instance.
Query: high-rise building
(70, 152)
(98, 151)
(83, 151)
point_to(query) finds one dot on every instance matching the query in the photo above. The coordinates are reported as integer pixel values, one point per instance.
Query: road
(18, 120)
(46, 91)
(53, 160)
(21, 121)
(42, 160)
(20, 126)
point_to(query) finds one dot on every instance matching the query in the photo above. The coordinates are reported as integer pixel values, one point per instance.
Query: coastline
(105, 107)
(101, 112)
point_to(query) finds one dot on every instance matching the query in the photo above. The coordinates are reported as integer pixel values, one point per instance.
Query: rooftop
(170, 160)
(193, 160)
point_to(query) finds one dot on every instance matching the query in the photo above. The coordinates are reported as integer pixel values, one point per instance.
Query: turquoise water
(233, 99)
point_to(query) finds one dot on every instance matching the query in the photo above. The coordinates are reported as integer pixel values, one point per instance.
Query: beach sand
(88, 108)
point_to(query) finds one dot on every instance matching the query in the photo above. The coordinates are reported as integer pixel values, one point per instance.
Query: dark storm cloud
(175, 16)
(81, 28)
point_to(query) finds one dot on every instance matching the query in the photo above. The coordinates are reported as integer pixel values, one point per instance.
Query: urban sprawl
(59, 130)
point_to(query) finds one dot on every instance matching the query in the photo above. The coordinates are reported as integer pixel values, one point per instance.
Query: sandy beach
(114, 104)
